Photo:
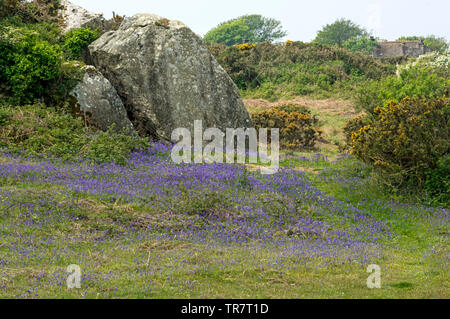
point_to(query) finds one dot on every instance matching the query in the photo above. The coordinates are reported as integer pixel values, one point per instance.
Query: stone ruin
(391, 49)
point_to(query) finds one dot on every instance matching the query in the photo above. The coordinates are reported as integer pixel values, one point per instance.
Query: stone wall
(400, 48)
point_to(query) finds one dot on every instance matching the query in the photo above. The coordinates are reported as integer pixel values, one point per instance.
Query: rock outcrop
(75, 17)
(167, 77)
(99, 101)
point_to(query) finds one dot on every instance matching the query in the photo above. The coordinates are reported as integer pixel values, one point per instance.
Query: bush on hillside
(438, 63)
(39, 130)
(411, 82)
(77, 40)
(296, 68)
(28, 65)
(298, 128)
(354, 125)
(237, 64)
(407, 141)
(363, 44)
(32, 67)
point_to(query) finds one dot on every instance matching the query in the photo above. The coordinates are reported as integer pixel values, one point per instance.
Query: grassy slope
(414, 263)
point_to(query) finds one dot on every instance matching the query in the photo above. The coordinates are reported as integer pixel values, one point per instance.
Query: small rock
(76, 17)
(101, 104)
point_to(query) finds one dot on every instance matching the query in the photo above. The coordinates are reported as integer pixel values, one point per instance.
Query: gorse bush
(354, 125)
(407, 141)
(421, 82)
(79, 39)
(39, 130)
(237, 64)
(298, 128)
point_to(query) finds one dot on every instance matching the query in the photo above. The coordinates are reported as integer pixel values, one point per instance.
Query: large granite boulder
(167, 77)
(98, 100)
(74, 17)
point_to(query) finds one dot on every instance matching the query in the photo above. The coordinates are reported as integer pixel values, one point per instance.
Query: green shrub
(438, 63)
(363, 44)
(406, 140)
(111, 146)
(28, 65)
(31, 64)
(284, 70)
(298, 128)
(437, 183)
(77, 40)
(39, 130)
(411, 82)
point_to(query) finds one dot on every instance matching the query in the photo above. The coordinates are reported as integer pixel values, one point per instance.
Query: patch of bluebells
(214, 205)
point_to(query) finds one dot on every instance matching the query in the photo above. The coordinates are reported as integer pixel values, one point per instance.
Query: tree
(252, 28)
(362, 44)
(340, 31)
(433, 42)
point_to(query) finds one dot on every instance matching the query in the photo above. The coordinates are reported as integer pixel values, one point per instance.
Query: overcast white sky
(387, 19)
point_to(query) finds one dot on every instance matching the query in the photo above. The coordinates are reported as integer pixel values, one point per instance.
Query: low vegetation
(41, 131)
(274, 71)
(411, 81)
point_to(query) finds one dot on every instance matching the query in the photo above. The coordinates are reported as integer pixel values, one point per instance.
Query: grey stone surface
(76, 17)
(101, 104)
(166, 77)
(400, 48)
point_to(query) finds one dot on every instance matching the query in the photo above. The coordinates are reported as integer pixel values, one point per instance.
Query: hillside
(274, 71)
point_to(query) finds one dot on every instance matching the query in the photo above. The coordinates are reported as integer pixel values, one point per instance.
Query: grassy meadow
(153, 229)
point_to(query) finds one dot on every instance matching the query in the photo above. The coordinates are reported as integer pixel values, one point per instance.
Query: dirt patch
(336, 107)
(254, 168)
